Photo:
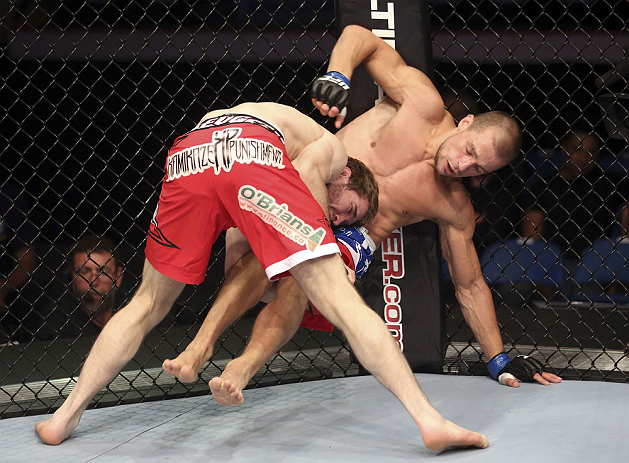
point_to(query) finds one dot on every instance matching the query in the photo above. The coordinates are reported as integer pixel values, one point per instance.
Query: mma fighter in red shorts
(263, 168)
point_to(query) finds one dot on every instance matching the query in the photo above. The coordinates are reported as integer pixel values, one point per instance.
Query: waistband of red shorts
(238, 118)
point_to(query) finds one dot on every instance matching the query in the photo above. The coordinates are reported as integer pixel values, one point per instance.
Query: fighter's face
(95, 278)
(467, 153)
(345, 206)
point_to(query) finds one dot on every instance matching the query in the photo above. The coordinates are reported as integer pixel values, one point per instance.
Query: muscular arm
(471, 290)
(402, 83)
(318, 164)
(475, 297)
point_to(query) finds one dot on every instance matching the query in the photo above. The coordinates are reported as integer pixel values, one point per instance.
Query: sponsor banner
(403, 287)
(402, 284)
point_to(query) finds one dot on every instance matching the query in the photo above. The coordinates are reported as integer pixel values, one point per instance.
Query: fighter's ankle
(199, 353)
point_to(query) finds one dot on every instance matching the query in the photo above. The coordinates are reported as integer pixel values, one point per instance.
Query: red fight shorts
(233, 171)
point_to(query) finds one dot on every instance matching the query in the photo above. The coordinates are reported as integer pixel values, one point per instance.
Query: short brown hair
(90, 243)
(364, 183)
(508, 143)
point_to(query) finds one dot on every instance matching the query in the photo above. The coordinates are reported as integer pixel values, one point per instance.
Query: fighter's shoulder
(319, 149)
(337, 151)
(296, 126)
(456, 209)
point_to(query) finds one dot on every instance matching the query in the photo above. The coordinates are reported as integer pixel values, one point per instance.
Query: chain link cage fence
(93, 93)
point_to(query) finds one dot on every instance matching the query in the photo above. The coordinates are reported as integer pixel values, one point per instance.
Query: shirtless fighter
(418, 155)
(237, 168)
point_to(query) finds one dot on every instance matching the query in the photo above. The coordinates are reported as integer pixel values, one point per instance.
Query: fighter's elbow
(355, 29)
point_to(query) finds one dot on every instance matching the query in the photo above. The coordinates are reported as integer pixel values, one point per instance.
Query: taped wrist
(497, 363)
(338, 75)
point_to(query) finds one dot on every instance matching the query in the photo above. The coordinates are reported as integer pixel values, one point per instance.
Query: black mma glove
(332, 89)
(523, 367)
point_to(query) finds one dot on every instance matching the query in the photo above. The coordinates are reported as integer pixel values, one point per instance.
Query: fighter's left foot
(186, 366)
(224, 392)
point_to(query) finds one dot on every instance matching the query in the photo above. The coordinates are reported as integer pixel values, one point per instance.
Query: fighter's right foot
(441, 434)
(186, 366)
(55, 430)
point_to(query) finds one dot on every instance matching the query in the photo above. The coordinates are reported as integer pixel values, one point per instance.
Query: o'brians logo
(279, 217)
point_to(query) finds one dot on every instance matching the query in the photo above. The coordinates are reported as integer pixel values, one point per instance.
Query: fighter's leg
(326, 285)
(242, 289)
(236, 246)
(275, 326)
(115, 346)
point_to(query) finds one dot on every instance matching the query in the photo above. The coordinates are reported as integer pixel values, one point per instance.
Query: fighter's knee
(270, 294)
(290, 293)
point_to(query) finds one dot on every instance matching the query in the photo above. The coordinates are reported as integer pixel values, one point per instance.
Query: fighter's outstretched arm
(478, 309)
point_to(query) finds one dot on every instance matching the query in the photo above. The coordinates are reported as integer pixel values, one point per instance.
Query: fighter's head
(479, 144)
(353, 195)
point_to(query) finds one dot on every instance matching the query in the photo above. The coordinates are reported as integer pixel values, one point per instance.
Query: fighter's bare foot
(55, 430)
(235, 377)
(225, 392)
(441, 434)
(186, 366)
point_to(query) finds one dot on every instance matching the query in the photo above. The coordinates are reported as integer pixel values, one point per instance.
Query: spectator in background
(532, 227)
(622, 242)
(580, 200)
(602, 274)
(17, 259)
(525, 267)
(89, 299)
